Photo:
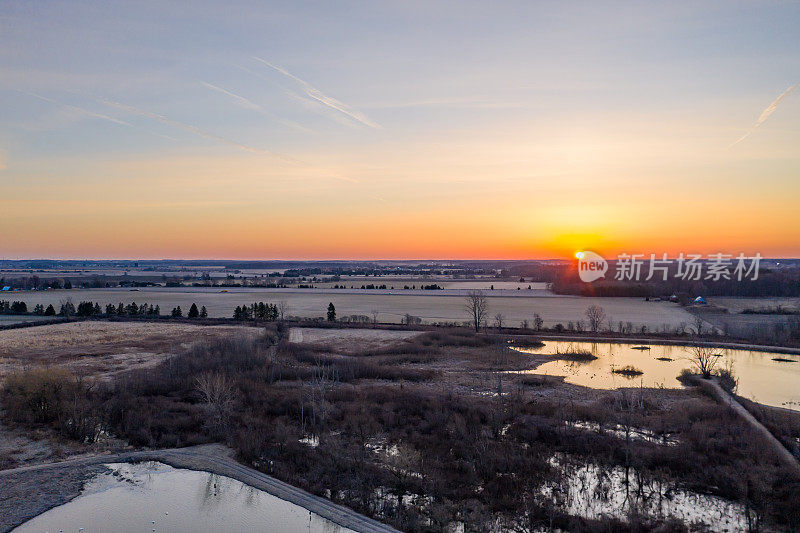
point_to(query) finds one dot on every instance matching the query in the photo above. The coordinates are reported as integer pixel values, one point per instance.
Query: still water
(761, 378)
(152, 496)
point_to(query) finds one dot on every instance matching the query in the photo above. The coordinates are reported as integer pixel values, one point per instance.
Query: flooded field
(761, 377)
(152, 496)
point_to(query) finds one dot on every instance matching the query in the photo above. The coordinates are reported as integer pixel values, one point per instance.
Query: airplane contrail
(78, 109)
(94, 114)
(193, 129)
(249, 104)
(765, 114)
(322, 98)
(244, 102)
(174, 123)
(197, 131)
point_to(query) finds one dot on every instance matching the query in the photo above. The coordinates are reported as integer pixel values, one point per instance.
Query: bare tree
(477, 306)
(219, 395)
(704, 359)
(374, 316)
(498, 321)
(537, 321)
(698, 324)
(283, 307)
(596, 315)
(500, 356)
(322, 379)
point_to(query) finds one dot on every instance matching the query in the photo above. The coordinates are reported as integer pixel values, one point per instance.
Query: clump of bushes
(628, 370)
(37, 396)
(579, 356)
(53, 397)
(727, 380)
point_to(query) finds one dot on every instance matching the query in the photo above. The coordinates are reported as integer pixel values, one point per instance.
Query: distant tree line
(770, 282)
(87, 309)
(35, 282)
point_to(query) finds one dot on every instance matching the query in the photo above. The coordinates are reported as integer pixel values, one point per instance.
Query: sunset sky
(357, 130)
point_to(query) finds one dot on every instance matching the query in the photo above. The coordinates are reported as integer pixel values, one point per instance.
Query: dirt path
(209, 458)
(779, 449)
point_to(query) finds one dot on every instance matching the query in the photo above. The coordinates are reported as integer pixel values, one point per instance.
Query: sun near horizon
(448, 131)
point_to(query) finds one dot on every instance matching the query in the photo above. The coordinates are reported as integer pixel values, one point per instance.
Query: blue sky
(381, 113)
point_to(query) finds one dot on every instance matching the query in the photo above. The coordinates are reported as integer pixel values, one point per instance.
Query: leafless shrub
(218, 393)
(36, 395)
(53, 396)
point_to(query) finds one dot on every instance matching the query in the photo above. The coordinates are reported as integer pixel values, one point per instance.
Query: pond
(761, 377)
(591, 491)
(152, 496)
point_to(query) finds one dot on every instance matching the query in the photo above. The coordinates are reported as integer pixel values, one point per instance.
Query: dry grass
(350, 340)
(103, 348)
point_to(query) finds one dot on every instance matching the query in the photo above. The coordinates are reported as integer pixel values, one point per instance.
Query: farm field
(101, 349)
(390, 306)
(351, 340)
(446, 283)
(737, 305)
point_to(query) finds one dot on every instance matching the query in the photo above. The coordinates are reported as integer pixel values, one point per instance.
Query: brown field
(103, 348)
(737, 305)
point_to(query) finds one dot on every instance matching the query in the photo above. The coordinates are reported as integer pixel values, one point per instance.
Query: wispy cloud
(322, 98)
(241, 100)
(94, 114)
(465, 103)
(249, 104)
(193, 129)
(224, 140)
(78, 109)
(765, 114)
